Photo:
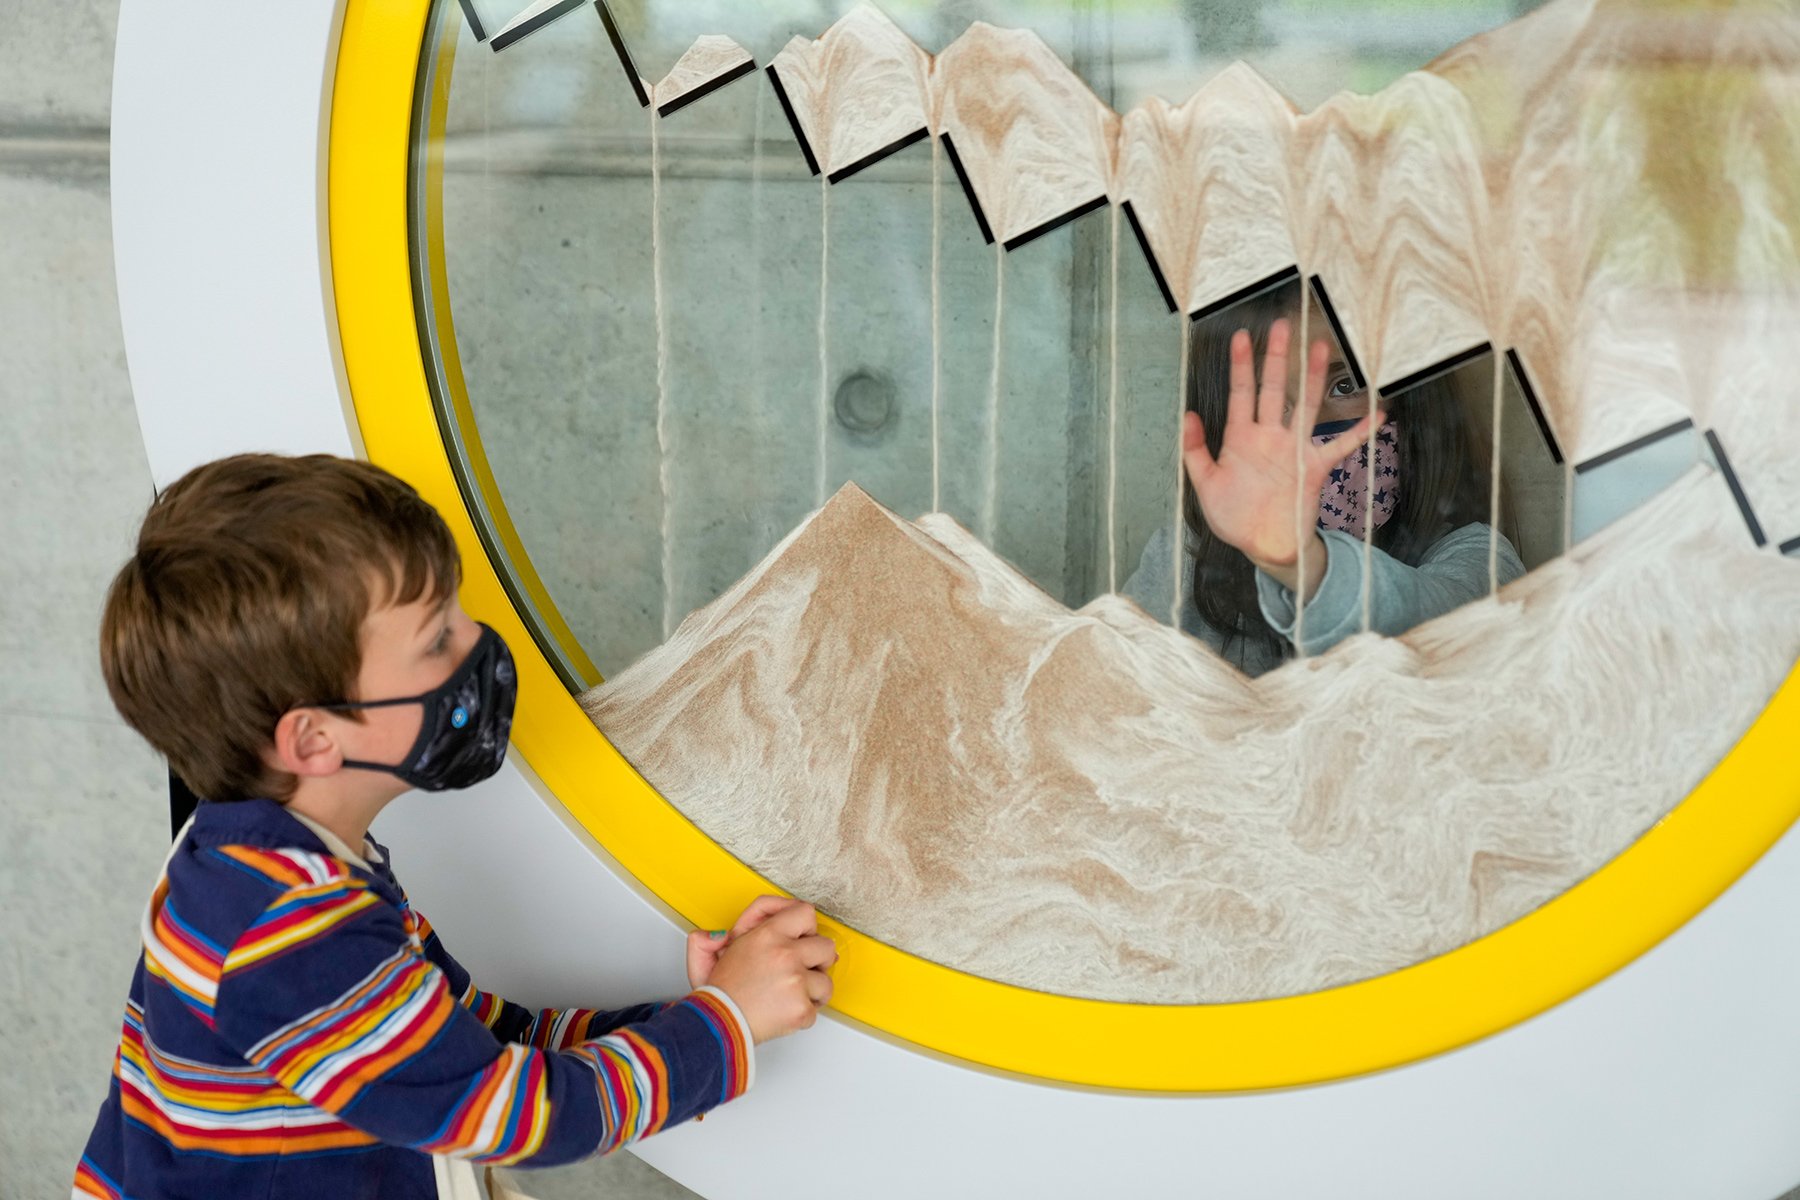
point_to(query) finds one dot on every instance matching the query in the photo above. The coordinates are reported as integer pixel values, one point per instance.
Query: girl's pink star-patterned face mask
(1354, 490)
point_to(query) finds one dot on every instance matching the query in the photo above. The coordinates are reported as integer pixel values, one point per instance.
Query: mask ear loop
(422, 700)
(390, 768)
(422, 697)
(348, 705)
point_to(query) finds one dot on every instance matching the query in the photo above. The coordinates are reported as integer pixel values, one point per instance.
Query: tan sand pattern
(1227, 226)
(711, 57)
(890, 720)
(1036, 142)
(886, 717)
(856, 90)
(1606, 187)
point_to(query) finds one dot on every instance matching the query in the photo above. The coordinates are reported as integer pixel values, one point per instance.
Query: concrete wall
(86, 818)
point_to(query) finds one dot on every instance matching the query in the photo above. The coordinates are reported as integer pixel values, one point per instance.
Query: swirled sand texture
(887, 718)
(710, 59)
(1390, 210)
(1225, 225)
(1602, 185)
(1036, 142)
(1646, 236)
(890, 720)
(856, 90)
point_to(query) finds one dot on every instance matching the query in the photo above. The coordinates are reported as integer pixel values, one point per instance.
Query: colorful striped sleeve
(545, 1028)
(329, 992)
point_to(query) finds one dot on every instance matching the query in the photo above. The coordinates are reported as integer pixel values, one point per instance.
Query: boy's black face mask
(462, 738)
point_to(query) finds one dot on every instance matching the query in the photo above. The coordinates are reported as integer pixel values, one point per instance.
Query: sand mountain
(887, 718)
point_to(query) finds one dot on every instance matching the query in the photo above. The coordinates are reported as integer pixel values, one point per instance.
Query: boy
(288, 635)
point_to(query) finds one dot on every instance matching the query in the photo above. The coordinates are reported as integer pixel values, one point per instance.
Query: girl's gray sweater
(1453, 572)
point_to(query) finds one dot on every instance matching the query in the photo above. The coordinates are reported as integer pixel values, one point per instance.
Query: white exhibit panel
(218, 184)
(1672, 1079)
(1675, 1078)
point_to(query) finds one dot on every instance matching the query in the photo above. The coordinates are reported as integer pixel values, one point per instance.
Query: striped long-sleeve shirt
(294, 1029)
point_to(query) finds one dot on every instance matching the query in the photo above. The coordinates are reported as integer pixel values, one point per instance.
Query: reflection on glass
(1534, 480)
(650, 454)
(1292, 544)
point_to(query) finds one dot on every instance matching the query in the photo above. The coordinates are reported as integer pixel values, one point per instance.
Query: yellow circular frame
(1592, 930)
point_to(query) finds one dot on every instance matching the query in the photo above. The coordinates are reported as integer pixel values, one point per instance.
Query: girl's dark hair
(1444, 463)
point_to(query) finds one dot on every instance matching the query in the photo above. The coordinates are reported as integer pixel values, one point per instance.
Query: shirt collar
(337, 845)
(266, 824)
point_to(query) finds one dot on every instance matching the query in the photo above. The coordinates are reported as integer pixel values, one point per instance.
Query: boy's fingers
(799, 919)
(818, 986)
(760, 910)
(818, 951)
(702, 953)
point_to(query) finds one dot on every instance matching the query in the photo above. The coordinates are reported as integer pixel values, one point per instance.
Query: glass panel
(1429, 491)
(677, 341)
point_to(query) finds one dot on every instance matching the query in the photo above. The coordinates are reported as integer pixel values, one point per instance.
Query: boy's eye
(443, 641)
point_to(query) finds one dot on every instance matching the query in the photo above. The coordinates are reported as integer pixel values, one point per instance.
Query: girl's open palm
(1259, 494)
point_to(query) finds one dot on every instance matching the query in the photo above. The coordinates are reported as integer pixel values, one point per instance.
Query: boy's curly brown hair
(246, 598)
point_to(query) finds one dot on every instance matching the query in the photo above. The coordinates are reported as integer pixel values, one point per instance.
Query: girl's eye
(1341, 387)
(443, 641)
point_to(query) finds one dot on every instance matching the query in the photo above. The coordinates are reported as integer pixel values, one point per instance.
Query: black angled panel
(474, 20)
(1280, 278)
(987, 234)
(1737, 489)
(706, 89)
(1143, 241)
(812, 163)
(1337, 329)
(624, 52)
(1082, 210)
(538, 17)
(1462, 359)
(1531, 402)
(1633, 446)
(869, 160)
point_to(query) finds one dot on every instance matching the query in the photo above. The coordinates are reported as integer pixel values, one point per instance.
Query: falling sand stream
(991, 500)
(1112, 415)
(767, 529)
(937, 357)
(665, 459)
(824, 342)
(1177, 539)
(1493, 483)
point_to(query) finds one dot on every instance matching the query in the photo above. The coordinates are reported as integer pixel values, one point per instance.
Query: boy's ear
(304, 744)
